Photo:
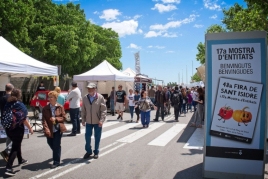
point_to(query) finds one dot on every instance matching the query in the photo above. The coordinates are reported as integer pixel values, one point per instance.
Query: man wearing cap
(74, 96)
(93, 115)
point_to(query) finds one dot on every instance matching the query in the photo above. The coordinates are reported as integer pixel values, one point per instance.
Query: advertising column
(236, 86)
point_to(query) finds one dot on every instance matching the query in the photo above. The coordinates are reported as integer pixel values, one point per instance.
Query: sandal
(192, 125)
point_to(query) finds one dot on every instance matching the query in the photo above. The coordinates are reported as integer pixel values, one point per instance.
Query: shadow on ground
(194, 172)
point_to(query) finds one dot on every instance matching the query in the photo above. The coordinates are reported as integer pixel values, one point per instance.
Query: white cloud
(164, 8)
(171, 1)
(96, 12)
(214, 16)
(152, 34)
(110, 14)
(173, 24)
(198, 26)
(157, 46)
(137, 17)
(140, 31)
(170, 51)
(171, 35)
(212, 5)
(172, 17)
(123, 28)
(150, 51)
(134, 46)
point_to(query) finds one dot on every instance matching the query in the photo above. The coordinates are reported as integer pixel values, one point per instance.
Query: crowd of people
(93, 114)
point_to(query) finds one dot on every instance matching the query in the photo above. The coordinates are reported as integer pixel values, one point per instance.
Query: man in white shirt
(74, 97)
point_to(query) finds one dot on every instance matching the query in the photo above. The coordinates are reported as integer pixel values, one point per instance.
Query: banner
(235, 105)
(137, 63)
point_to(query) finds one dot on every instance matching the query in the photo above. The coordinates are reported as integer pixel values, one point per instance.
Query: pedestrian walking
(3, 100)
(176, 100)
(131, 103)
(151, 94)
(74, 96)
(184, 100)
(93, 116)
(160, 100)
(199, 113)
(145, 104)
(190, 100)
(137, 108)
(14, 118)
(61, 98)
(112, 94)
(120, 102)
(53, 117)
(195, 98)
(168, 96)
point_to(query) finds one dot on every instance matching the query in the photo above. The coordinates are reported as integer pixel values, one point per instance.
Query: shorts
(119, 106)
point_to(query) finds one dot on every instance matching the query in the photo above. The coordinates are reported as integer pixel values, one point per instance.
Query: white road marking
(82, 164)
(67, 164)
(117, 130)
(140, 133)
(167, 136)
(196, 141)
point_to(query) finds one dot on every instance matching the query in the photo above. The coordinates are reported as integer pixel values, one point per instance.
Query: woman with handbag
(53, 116)
(14, 119)
(145, 104)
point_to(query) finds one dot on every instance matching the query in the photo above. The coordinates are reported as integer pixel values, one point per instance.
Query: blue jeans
(184, 108)
(152, 99)
(112, 105)
(189, 106)
(97, 136)
(145, 118)
(131, 109)
(55, 145)
(74, 114)
(194, 103)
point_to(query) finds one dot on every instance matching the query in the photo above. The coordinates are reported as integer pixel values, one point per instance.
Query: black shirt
(120, 96)
(3, 101)
(201, 98)
(41, 88)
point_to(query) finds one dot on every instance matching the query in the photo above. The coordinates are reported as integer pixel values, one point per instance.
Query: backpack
(6, 119)
(176, 99)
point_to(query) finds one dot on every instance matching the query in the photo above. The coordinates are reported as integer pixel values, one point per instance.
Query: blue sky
(164, 32)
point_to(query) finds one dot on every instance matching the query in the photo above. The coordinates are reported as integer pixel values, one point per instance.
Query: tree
(200, 56)
(196, 78)
(15, 19)
(171, 84)
(254, 17)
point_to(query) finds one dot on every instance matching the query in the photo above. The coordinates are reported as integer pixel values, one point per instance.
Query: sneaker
(10, 172)
(71, 134)
(95, 156)
(23, 162)
(4, 155)
(131, 120)
(87, 155)
(118, 116)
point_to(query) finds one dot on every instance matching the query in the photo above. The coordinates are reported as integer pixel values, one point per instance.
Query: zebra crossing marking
(140, 133)
(196, 141)
(167, 136)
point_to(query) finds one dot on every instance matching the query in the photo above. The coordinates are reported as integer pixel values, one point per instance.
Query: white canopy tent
(15, 63)
(105, 76)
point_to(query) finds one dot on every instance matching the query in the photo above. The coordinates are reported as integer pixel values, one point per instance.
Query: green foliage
(196, 78)
(171, 84)
(58, 35)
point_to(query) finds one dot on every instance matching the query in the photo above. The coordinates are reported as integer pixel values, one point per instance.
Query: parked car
(40, 99)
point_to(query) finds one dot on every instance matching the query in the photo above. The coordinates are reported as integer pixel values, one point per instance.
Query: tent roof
(103, 72)
(129, 72)
(15, 63)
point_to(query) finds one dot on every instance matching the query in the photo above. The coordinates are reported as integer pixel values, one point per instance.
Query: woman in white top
(131, 103)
